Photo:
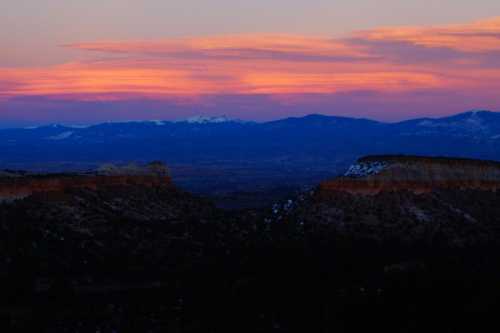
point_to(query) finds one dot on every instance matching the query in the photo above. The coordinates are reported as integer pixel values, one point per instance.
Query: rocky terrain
(136, 255)
(16, 185)
(375, 174)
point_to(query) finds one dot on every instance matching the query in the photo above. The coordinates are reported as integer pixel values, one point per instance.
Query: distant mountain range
(314, 144)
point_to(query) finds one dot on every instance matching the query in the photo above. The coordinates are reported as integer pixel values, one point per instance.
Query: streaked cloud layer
(392, 64)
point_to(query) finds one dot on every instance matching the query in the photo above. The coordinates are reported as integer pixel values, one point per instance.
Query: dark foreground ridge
(143, 257)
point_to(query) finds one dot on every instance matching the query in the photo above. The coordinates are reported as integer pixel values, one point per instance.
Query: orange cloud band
(458, 57)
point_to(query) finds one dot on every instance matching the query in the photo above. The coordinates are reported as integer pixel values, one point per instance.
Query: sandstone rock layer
(375, 174)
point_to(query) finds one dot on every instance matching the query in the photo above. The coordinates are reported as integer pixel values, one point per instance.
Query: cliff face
(372, 175)
(17, 186)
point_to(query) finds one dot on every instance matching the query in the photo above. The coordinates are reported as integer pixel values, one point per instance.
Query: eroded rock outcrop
(17, 185)
(375, 174)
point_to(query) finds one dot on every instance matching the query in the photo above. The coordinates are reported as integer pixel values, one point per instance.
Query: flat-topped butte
(374, 174)
(18, 184)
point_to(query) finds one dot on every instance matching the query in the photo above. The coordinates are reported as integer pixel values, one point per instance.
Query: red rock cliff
(375, 174)
(14, 186)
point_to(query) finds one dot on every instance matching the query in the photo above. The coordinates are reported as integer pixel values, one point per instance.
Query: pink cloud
(389, 62)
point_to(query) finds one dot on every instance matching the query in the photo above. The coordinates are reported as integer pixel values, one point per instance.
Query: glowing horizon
(391, 65)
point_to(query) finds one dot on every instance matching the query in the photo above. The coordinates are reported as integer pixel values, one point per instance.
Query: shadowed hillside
(143, 257)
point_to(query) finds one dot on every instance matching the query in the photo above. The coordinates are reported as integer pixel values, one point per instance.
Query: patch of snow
(288, 205)
(62, 136)
(276, 209)
(42, 126)
(119, 122)
(207, 120)
(365, 169)
(282, 209)
(475, 120)
(56, 126)
(78, 126)
(475, 112)
(472, 122)
(419, 213)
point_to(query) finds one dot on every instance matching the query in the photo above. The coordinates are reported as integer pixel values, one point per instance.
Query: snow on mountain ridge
(208, 119)
(62, 136)
(470, 121)
(191, 120)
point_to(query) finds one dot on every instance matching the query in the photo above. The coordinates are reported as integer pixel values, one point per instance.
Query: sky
(71, 61)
